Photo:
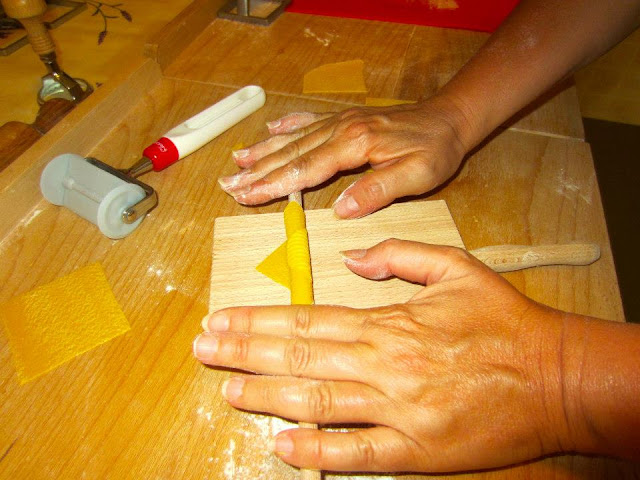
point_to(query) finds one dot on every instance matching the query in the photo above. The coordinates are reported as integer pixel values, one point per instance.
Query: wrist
(601, 385)
(554, 373)
(545, 368)
(460, 117)
(573, 436)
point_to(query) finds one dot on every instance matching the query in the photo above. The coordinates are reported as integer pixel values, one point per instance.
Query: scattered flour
(569, 189)
(325, 41)
(256, 431)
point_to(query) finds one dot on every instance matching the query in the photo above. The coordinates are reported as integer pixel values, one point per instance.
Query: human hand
(465, 375)
(411, 148)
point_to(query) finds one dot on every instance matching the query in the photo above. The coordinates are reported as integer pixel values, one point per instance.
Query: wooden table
(141, 406)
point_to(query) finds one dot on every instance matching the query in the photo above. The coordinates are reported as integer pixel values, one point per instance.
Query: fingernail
(227, 183)
(346, 206)
(240, 153)
(274, 124)
(352, 255)
(232, 181)
(281, 445)
(232, 388)
(242, 200)
(204, 346)
(217, 322)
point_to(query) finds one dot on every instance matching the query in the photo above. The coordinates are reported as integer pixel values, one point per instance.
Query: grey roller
(70, 180)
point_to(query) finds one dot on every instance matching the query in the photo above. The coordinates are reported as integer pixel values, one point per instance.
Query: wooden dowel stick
(305, 474)
(507, 258)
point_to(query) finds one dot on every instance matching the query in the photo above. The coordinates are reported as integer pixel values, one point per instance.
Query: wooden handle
(20, 9)
(15, 139)
(29, 13)
(38, 35)
(507, 258)
(51, 112)
(305, 473)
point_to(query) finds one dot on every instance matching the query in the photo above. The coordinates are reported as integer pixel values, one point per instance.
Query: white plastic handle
(208, 124)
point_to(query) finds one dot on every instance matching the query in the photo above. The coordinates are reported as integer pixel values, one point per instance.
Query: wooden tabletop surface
(140, 406)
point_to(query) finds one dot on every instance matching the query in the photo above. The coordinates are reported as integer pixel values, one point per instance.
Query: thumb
(413, 261)
(376, 449)
(410, 175)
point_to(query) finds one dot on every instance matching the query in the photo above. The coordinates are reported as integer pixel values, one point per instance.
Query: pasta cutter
(115, 200)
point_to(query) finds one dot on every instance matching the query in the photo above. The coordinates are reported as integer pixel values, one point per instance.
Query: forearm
(538, 45)
(600, 364)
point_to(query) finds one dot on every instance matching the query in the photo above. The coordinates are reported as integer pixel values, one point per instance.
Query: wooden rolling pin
(507, 258)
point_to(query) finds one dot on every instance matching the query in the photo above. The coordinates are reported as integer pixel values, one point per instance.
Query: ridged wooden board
(240, 243)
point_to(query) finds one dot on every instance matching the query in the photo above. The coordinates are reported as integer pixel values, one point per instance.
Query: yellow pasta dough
(53, 323)
(341, 77)
(290, 264)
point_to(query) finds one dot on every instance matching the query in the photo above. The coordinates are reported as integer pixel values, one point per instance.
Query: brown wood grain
(141, 406)
(401, 61)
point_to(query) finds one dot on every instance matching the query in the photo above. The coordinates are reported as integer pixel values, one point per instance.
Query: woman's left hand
(465, 375)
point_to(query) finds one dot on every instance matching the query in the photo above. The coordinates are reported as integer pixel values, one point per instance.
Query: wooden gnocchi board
(240, 243)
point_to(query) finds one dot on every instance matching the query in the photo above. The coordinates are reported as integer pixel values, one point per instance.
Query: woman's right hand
(411, 148)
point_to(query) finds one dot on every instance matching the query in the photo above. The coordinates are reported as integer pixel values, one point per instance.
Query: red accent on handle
(162, 154)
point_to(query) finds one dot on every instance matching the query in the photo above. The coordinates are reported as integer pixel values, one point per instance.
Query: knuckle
(391, 244)
(306, 130)
(298, 168)
(320, 402)
(277, 141)
(318, 452)
(457, 255)
(373, 191)
(357, 130)
(350, 112)
(291, 149)
(245, 321)
(240, 349)
(427, 173)
(365, 451)
(299, 356)
(398, 317)
(302, 322)
(422, 167)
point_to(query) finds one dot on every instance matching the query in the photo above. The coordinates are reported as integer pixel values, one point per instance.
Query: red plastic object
(479, 15)
(162, 154)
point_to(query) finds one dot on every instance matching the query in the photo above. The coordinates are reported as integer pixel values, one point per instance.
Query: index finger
(303, 169)
(306, 321)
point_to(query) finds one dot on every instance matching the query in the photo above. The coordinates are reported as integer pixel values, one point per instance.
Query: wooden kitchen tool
(242, 242)
(56, 84)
